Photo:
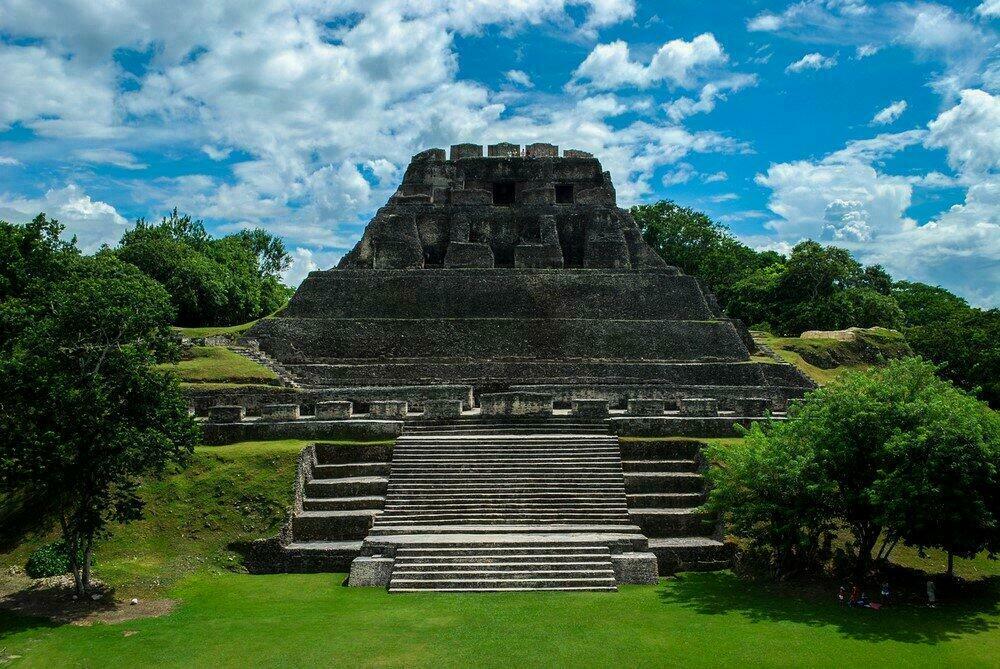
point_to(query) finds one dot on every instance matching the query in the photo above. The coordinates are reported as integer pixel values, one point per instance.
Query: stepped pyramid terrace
(503, 318)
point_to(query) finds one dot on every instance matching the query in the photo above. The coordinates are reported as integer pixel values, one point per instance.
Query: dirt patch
(53, 598)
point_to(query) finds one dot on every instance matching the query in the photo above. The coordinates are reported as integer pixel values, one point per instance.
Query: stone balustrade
(515, 405)
(699, 406)
(334, 410)
(442, 409)
(226, 414)
(590, 408)
(751, 406)
(280, 412)
(392, 408)
(646, 407)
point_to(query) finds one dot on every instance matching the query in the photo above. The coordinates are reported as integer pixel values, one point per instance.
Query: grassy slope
(227, 493)
(214, 364)
(695, 620)
(215, 331)
(823, 360)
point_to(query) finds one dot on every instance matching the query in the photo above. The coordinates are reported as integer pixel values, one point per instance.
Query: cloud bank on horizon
(873, 126)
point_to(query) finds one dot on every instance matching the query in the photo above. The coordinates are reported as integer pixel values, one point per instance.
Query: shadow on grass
(15, 623)
(977, 611)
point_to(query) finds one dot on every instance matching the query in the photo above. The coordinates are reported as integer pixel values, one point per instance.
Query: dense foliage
(51, 559)
(824, 288)
(83, 413)
(223, 281)
(893, 454)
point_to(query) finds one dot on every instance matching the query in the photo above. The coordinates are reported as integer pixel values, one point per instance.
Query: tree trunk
(88, 551)
(951, 566)
(867, 538)
(73, 543)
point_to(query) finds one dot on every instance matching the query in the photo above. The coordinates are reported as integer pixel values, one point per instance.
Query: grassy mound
(823, 360)
(215, 364)
(226, 494)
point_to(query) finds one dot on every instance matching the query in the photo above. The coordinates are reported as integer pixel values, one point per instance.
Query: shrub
(52, 559)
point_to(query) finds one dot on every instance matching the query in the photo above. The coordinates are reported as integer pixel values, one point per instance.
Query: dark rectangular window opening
(564, 193)
(503, 193)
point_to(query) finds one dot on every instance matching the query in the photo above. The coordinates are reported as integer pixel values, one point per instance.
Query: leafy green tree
(887, 453)
(770, 492)
(922, 304)
(224, 281)
(83, 414)
(941, 487)
(966, 345)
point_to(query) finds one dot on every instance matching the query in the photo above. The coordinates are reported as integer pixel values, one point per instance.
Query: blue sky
(874, 126)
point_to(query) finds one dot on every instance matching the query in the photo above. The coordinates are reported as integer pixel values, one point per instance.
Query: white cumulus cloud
(812, 61)
(890, 113)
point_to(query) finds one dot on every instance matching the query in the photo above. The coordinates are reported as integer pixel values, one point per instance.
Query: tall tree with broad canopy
(83, 414)
(893, 454)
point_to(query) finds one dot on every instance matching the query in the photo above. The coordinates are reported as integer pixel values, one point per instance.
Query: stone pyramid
(514, 271)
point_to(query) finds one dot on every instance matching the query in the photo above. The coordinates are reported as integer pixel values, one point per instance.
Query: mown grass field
(693, 620)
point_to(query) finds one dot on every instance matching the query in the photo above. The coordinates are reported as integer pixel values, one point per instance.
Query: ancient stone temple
(511, 272)
(500, 306)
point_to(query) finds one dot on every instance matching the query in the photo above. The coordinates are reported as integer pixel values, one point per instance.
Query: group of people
(859, 598)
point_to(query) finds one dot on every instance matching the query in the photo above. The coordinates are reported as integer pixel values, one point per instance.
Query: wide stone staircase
(478, 511)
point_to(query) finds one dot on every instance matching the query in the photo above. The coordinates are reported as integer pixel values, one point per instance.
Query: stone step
(343, 503)
(327, 453)
(537, 518)
(654, 449)
(332, 525)
(689, 553)
(548, 528)
(460, 543)
(500, 586)
(663, 482)
(526, 572)
(677, 522)
(350, 469)
(515, 558)
(466, 506)
(659, 465)
(664, 500)
(347, 487)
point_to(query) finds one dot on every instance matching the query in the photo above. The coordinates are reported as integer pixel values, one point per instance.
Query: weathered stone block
(576, 153)
(538, 256)
(391, 254)
(430, 154)
(541, 150)
(503, 150)
(370, 572)
(280, 412)
(472, 196)
(226, 414)
(442, 409)
(590, 408)
(698, 406)
(513, 405)
(459, 151)
(389, 409)
(334, 410)
(645, 407)
(545, 195)
(468, 254)
(751, 406)
(633, 568)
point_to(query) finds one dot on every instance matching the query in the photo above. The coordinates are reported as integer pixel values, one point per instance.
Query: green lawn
(694, 620)
(215, 364)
